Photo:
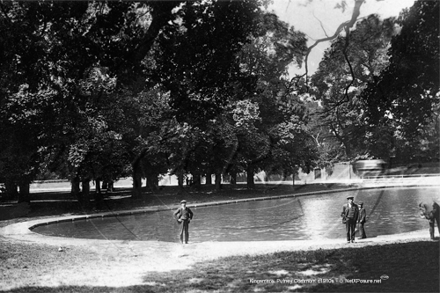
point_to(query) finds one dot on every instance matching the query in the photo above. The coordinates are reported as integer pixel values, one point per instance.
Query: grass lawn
(405, 267)
(400, 267)
(416, 271)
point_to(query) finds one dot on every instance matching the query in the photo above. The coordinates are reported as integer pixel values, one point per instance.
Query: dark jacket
(352, 213)
(362, 215)
(429, 212)
(183, 214)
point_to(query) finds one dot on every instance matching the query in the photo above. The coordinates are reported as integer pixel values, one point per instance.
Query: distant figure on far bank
(183, 215)
(362, 219)
(350, 214)
(432, 214)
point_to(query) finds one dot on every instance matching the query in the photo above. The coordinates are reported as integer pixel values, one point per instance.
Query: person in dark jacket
(184, 215)
(362, 219)
(432, 214)
(350, 215)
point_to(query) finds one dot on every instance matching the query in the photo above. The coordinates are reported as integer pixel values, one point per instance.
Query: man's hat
(360, 203)
(350, 197)
(183, 201)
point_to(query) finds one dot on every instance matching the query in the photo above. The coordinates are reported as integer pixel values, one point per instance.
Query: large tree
(346, 68)
(196, 56)
(270, 117)
(48, 51)
(405, 95)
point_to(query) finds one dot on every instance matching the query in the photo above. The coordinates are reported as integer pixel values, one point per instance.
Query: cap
(183, 201)
(360, 203)
(350, 197)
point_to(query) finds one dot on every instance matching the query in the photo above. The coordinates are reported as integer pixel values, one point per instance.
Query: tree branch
(161, 13)
(343, 26)
(344, 52)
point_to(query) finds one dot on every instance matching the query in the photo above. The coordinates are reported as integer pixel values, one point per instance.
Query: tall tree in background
(270, 117)
(61, 55)
(405, 95)
(48, 50)
(346, 68)
(30, 90)
(195, 60)
(196, 56)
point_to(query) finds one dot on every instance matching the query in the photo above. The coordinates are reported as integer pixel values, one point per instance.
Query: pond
(389, 211)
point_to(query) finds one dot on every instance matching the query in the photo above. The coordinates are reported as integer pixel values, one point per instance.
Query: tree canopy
(100, 90)
(373, 82)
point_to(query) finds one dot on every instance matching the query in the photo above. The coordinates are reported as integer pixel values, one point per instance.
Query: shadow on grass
(405, 267)
(408, 267)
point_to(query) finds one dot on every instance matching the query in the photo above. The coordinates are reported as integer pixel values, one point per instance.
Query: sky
(305, 16)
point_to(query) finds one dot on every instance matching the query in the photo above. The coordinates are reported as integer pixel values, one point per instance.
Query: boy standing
(183, 215)
(362, 220)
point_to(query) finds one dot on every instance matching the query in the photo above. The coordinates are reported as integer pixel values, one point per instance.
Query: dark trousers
(362, 230)
(351, 227)
(431, 226)
(184, 232)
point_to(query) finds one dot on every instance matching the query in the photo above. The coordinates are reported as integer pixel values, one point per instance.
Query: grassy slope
(411, 267)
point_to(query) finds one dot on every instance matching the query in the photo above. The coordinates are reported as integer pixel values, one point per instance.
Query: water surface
(389, 211)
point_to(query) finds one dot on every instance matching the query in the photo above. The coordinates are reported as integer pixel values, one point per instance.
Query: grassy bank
(30, 267)
(411, 267)
(405, 267)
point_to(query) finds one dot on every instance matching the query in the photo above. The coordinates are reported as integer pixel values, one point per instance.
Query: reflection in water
(389, 211)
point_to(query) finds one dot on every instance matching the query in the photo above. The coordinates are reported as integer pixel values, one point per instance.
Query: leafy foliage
(346, 68)
(405, 95)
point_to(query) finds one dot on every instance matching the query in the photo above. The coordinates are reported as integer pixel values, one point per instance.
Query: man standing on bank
(350, 214)
(432, 214)
(362, 219)
(183, 215)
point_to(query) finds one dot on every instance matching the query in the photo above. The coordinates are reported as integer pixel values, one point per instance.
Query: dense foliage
(378, 88)
(94, 91)
(100, 90)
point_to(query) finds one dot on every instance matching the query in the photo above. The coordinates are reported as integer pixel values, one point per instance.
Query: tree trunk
(209, 178)
(98, 186)
(218, 181)
(153, 182)
(75, 189)
(233, 180)
(180, 179)
(110, 186)
(137, 183)
(11, 190)
(23, 196)
(294, 173)
(250, 177)
(85, 184)
(99, 198)
(196, 180)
